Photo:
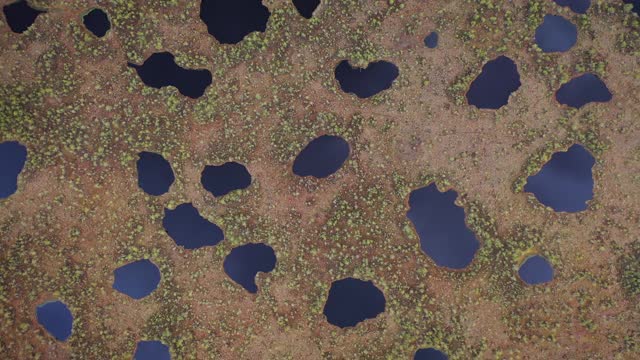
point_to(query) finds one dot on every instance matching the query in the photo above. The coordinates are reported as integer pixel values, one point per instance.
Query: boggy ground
(78, 214)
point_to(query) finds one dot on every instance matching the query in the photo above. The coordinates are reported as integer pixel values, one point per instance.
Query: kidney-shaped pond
(137, 279)
(20, 16)
(155, 175)
(376, 77)
(497, 81)
(441, 227)
(55, 317)
(565, 183)
(151, 350)
(322, 157)
(582, 90)
(13, 156)
(556, 34)
(430, 354)
(352, 301)
(229, 21)
(536, 270)
(189, 229)
(244, 262)
(223, 179)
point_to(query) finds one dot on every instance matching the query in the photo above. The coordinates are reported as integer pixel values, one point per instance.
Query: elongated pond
(223, 179)
(582, 90)
(366, 82)
(495, 84)
(189, 229)
(13, 156)
(430, 354)
(321, 157)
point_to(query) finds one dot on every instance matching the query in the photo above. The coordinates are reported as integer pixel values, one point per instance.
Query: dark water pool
(161, 70)
(440, 224)
(151, 350)
(244, 262)
(223, 179)
(56, 318)
(137, 279)
(97, 22)
(497, 81)
(556, 34)
(430, 354)
(376, 77)
(577, 6)
(20, 16)
(322, 157)
(155, 175)
(306, 7)
(13, 156)
(536, 270)
(189, 229)
(230, 21)
(431, 40)
(352, 301)
(636, 5)
(565, 183)
(582, 90)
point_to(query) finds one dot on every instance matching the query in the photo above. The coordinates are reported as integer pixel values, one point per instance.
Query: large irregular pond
(20, 16)
(321, 157)
(244, 262)
(306, 7)
(556, 34)
(151, 350)
(13, 156)
(495, 84)
(189, 229)
(565, 183)
(582, 90)
(223, 179)
(352, 301)
(155, 174)
(536, 270)
(161, 70)
(375, 78)
(97, 22)
(441, 227)
(577, 6)
(430, 354)
(56, 318)
(137, 279)
(230, 21)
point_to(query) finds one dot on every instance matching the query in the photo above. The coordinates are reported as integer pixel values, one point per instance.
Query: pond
(536, 270)
(565, 183)
(137, 279)
(13, 156)
(244, 262)
(155, 175)
(151, 350)
(556, 34)
(375, 78)
(431, 40)
(430, 354)
(306, 7)
(20, 16)
(189, 229)
(161, 70)
(223, 179)
(582, 90)
(636, 5)
(577, 6)
(441, 227)
(321, 157)
(97, 22)
(55, 317)
(352, 301)
(230, 21)
(497, 81)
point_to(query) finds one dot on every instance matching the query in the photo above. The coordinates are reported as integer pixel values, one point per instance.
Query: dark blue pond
(322, 157)
(13, 156)
(20, 16)
(536, 270)
(152, 350)
(352, 301)
(431, 40)
(161, 70)
(56, 318)
(190, 230)
(577, 6)
(636, 5)
(137, 279)
(376, 77)
(97, 22)
(582, 90)
(306, 7)
(565, 183)
(430, 354)
(556, 34)
(223, 179)
(440, 224)
(230, 21)
(244, 262)
(492, 88)
(155, 175)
